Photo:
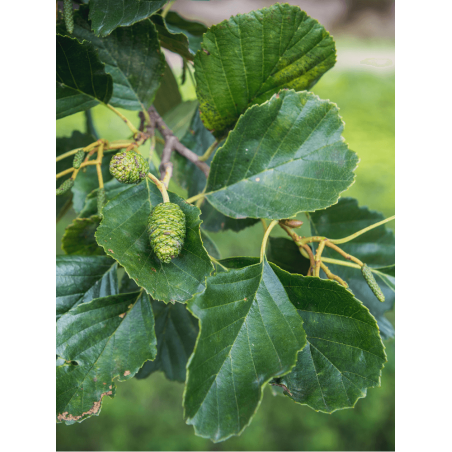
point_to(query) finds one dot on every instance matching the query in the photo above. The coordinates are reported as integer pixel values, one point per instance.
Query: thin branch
(332, 276)
(343, 253)
(175, 143)
(128, 123)
(362, 231)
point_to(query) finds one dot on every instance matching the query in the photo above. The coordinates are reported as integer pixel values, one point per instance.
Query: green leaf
(283, 157)
(132, 57)
(80, 279)
(128, 285)
(106, 15)
(63, 145)
(80, 75)
(250, 57)
(344, 355)
(286, 255)
(168, 95)
(174, 41)
(176, 330)
(198, 139)
(108, 338)
(376, 248)
(123, 234)
(79, 237)
(191, 28)
(250, 332)
(112, 189)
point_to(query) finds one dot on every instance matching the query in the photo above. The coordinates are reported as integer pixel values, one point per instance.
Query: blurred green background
(147, 414)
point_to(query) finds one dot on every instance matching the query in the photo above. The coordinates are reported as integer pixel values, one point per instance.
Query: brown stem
(175, 143)
(282, 386)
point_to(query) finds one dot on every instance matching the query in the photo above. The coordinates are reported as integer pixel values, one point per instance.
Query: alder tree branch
(172, 144)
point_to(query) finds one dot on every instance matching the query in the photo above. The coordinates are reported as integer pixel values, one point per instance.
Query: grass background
(147, 414)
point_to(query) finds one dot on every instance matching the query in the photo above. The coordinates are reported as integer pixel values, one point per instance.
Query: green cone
(369, 277)
(128, 167)
(166, 228)
(78, 159)
(65, 186)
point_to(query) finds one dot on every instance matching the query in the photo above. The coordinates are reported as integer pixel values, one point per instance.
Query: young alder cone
(166, 228)
(128, 167)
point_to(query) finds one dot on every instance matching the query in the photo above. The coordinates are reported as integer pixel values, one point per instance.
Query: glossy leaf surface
(123, 234)
(80, 279)
(106, 15)
(82, 81)
(283, 157)
(132, 57)
(294, 52)
(106, 339)
(376, 248)
(79, 237)
(250, 332)
(344, 355)
(176, 330)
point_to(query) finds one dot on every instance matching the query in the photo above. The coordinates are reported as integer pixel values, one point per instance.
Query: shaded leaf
(168, 95)
(172, 40)
(106, 15)
(299, 163)
(286, 255)
(176, 330)
(132, 57)
(123, 234)
(80, 75)
(250, 332)
(80, 279)
(294, 52)
(128, 285)
(112, 188)
(191, 28)
(344, 355)
(78, 239)
(376, 248)
(105, 339)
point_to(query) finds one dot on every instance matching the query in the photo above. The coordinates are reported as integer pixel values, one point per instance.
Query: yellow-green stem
(195, 198)
(167, 8)
(318, 256)
(218, 263)
(67, 154)
(209, 152)
(161, 186)
(362, 231)
(100, 155)
(129, 124)
(266, 235)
